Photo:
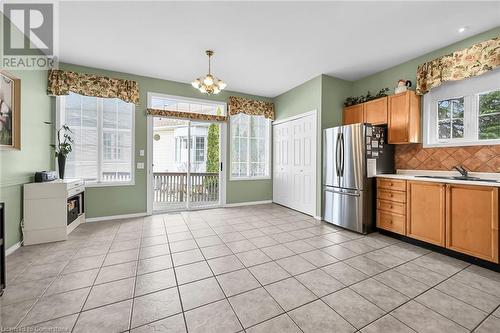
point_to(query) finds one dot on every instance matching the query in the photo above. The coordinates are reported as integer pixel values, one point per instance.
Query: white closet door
(295, 164)
(281, 163)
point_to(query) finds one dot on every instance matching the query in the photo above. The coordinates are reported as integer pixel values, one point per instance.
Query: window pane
(254, 150)
(457, 128)
(444, 108)
(444, 129)
(173, 104)
(489, 127)
(453, 107)
(73, 101)
(457, 107)
(489, 102)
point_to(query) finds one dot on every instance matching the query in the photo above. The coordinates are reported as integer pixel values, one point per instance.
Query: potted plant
(62, 147)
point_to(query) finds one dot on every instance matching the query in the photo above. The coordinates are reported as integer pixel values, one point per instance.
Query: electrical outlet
(140, 165)
(141, 152)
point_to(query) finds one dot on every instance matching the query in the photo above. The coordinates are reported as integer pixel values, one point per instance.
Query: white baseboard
(115, 217)
(13, 248)
(248, 203)
(317, 218)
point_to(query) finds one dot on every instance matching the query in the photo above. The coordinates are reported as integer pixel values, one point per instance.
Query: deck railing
(171, 187)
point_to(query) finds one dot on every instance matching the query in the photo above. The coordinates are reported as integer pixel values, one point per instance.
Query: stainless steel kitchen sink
(460, 178)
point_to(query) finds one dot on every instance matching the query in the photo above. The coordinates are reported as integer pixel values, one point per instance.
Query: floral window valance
(473, 61)
(63, 82)
(250, 107)
(185, 115)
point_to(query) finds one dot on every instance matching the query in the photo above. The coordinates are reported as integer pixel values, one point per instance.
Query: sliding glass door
(187, 170)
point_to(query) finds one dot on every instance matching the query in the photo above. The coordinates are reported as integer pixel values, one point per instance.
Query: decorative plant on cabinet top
(62, 147)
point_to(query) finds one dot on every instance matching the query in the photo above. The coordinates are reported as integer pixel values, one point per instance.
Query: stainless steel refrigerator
(352, 156)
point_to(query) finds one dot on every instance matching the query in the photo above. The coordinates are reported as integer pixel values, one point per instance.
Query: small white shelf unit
(52, 210)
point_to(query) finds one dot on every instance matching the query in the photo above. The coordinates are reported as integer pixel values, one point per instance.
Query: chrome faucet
(462, 170)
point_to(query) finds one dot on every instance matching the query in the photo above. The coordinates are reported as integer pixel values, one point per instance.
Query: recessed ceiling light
(462, 29)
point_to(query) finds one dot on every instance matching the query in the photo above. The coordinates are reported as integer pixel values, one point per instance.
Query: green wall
(333, 93)
(118, 200)
(17, 167)
(408, 70)
(303, 98)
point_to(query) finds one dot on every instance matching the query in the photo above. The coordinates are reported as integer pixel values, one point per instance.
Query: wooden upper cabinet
(372, 112)
(472, 220)
(375, 112)
(353, 114)
(404, 118)
(425, 211)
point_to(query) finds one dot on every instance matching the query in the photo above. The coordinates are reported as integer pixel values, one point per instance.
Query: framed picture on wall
(10, 111)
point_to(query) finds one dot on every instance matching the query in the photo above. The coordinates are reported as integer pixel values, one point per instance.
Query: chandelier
(209, 84)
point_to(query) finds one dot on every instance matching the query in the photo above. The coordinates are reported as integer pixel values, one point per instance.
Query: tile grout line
(175, 274)
(215, 278)
(95, 279)
(135, 277)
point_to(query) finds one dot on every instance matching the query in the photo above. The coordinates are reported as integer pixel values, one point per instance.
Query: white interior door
(281, 163)
(294, 175)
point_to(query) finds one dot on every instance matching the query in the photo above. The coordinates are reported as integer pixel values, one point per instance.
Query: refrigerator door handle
(342, 155)
(337, 151)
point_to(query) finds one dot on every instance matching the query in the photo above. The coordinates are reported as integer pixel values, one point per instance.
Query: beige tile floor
(255, 269)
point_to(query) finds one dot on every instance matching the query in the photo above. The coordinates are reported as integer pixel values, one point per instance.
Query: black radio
(45, 176)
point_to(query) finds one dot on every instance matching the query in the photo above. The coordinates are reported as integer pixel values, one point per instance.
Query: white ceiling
(263, 48)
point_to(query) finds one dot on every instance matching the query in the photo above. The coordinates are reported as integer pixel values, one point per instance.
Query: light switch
(141, 152)
(140, 165)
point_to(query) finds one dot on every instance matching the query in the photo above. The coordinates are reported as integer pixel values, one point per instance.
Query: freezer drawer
(344, 207)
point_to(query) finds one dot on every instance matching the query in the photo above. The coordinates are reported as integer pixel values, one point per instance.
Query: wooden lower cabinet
(472, 220)
(462, 218)
(391, 222)
(391, 205)
(425, 211)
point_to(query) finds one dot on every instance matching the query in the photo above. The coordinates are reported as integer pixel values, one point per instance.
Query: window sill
(461, 144)
(233, 179)
(114, 184)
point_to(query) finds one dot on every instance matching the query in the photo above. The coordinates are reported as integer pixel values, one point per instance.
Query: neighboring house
(170, 147)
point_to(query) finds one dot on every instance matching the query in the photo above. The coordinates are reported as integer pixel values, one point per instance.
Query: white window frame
(470, 90)
(268, 153)
(60, 107)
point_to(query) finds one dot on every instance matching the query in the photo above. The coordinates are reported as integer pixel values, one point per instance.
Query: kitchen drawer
(390, 195)
(392, 207)
(391, 184)
(391, 222)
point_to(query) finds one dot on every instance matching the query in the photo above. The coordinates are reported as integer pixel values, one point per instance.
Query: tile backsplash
(474, 158)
